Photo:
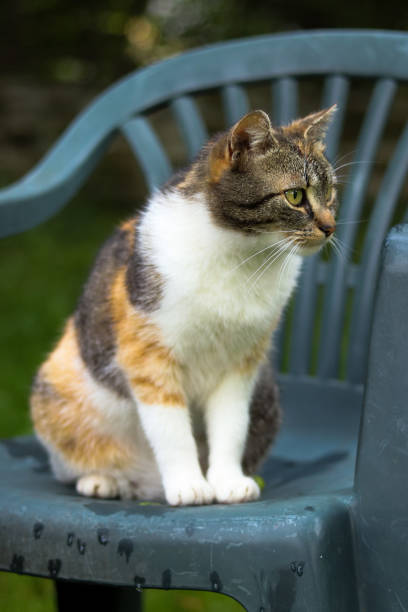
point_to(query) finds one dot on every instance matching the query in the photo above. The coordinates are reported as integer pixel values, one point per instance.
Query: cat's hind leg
(101, 464)
(106, 486)
(92, 435)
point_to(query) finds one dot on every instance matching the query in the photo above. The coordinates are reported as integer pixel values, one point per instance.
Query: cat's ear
(313, 128)
(252, 134)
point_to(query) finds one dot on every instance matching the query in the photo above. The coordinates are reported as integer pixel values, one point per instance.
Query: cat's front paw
(233, 488)
(191, 492)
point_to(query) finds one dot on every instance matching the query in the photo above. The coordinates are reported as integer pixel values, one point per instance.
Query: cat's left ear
(313, 128)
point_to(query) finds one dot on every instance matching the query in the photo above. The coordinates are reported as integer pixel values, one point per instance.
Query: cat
(160, 387)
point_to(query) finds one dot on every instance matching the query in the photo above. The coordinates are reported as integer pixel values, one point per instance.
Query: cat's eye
(294, 196)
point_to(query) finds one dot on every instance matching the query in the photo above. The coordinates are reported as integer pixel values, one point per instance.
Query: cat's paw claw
(234, 490)
(193, 492)
(97, 485)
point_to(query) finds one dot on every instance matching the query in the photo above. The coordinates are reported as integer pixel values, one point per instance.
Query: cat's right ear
(252, 134)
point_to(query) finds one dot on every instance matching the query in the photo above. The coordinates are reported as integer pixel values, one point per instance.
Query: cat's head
(263, 178)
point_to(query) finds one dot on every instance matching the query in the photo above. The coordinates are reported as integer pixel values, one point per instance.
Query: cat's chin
(311, 248)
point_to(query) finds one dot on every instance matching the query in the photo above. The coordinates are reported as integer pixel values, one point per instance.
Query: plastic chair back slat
(362, 163)
(191, 124)
(379, 223)
(285, 100)
(352, 201)
(148, 150)
(235, 102)
(336, 89)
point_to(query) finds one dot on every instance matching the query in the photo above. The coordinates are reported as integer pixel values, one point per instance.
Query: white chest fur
(215, 305)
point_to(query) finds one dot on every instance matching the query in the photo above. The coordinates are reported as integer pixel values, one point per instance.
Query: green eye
(294, 196)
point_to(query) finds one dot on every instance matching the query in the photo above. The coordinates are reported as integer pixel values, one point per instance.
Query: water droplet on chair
(103, 536)
(125, 547)
(37, 530)
(139, 583)
(54, 567)
(81, 547)
(299, 569)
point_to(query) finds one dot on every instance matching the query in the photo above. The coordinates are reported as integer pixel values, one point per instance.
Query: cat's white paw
(97, 485)
(233, 489)
(196, 491)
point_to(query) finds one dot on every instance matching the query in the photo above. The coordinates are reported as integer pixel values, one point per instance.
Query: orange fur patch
(63, 413)
(219, 161)
(217, 169)
(129, 227)
(152, 371)
(189, 180)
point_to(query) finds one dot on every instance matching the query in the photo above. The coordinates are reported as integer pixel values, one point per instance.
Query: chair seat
(301, 521)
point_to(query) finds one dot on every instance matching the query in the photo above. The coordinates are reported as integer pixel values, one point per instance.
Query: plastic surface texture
(318, 539)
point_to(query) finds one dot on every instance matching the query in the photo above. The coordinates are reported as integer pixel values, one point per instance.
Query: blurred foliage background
(55, 56)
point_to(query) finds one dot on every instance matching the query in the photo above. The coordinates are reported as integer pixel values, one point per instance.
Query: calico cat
(160, 386)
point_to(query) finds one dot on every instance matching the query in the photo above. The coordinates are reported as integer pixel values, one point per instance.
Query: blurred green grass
(26, 593)
(41, 274)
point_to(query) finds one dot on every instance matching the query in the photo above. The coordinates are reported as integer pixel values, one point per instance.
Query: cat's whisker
(335, 248)
(349, 223)
(355, 163)
(339, 247)
(340, 253)
(343, 244)
(270, 262)
(270, 246)
(266, 264)
(261, 266)
(341, 157)
(286, 262)
(271, 258)
(260, 231)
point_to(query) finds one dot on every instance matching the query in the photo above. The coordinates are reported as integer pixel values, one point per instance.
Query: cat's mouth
(311, 245)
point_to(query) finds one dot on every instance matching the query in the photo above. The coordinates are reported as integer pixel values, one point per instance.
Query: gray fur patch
(43, 388)
(93, 320)
(265, 418)
(143, 282)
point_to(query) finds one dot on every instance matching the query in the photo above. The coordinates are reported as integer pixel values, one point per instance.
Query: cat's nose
(327, 229)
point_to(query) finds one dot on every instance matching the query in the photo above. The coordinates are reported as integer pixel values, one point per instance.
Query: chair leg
(79, 595)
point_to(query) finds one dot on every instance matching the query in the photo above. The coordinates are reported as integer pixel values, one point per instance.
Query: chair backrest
(334, 300)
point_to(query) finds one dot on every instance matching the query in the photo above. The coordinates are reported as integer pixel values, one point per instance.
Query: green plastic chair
(331, 529)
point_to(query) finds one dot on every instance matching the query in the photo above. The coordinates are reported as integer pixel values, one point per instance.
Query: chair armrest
(52, 182)
(381, 511)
